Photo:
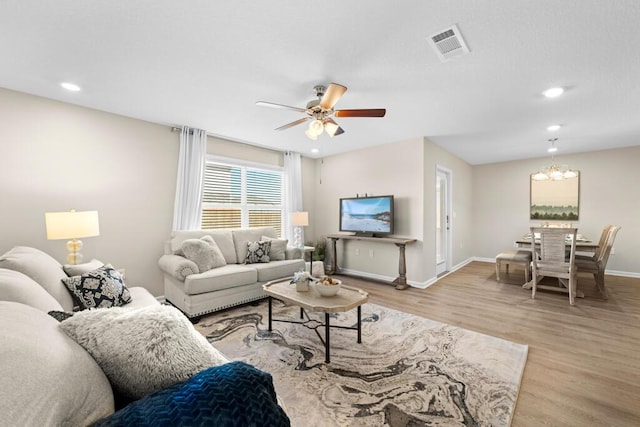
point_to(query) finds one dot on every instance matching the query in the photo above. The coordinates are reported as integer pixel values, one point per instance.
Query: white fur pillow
(204, 252)
(142, 350)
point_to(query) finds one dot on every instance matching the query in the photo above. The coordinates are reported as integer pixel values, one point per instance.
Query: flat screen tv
(371, 215)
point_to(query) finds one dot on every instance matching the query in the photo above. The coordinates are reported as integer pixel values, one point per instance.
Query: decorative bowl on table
(328, 286)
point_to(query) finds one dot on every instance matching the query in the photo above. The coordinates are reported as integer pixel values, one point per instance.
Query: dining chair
(597, 264)
(548, 258)
(601, 244)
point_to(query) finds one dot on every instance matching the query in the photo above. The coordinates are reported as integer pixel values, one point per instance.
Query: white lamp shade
(310, 134)
(300, 219)
(316, 127)
(71, 225)
(331, 128)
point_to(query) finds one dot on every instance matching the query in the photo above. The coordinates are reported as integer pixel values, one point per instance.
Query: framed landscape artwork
(555, 200)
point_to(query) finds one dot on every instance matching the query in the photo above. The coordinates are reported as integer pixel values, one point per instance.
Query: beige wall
(57, 156)
(462, 215)
(407, 170)
(248, 153)
(609, 194)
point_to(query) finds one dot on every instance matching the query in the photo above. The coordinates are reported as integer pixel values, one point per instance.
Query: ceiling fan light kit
(320, 112)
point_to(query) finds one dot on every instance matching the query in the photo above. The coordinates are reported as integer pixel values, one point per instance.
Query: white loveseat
(197, 293)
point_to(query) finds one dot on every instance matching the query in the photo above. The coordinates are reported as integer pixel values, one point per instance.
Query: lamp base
(73, 247)
(297, 238)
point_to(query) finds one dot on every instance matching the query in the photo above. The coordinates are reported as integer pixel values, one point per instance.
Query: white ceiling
(205, 63)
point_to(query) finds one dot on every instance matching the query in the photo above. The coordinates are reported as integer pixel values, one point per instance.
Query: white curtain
(187, 211)
(292, 191)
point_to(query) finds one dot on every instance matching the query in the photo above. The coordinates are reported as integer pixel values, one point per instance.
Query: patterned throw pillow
(60, 315)
(100, 288)
(258, 252)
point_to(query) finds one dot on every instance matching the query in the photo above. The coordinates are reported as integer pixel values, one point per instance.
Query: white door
(443, 220)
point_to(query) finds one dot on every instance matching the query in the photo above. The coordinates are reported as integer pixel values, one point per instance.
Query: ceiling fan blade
(332, 95)
(285, 107)
(370, 112)
(292, 124)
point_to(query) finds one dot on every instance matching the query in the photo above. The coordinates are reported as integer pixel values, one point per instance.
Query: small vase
(302, 285)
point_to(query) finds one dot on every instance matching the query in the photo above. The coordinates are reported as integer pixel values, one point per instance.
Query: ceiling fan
(320, 111)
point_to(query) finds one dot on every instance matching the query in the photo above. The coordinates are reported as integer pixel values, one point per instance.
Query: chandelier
(554, 172)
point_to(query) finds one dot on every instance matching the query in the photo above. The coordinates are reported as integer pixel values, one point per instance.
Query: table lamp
(299, 220)
(72, 225)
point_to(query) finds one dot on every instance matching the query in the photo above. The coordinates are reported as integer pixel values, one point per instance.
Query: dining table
(583, 244)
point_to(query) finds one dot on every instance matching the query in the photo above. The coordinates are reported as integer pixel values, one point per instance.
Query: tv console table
(401, 281)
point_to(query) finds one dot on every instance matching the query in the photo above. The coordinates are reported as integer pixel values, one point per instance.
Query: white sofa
(46, 378)
(49, 378)
(197, 293)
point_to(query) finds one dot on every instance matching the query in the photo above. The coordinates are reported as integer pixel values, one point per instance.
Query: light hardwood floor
(583, 367)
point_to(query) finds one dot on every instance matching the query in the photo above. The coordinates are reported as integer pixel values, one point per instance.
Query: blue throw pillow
(234, 394)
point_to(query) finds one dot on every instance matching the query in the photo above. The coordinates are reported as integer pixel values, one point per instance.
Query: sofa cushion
(46, 379)
(229, 276)
(204, 252)
(258, 252)
(223, 238)
(18, 287)
(278, 248)
(141, 297)
(142, 350)
(230, 395)
(42, 268)
(245, 235)
(278, 269)
(100, 288)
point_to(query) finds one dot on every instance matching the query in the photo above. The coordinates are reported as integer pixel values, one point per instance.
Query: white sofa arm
(177, 266)
(293, 253)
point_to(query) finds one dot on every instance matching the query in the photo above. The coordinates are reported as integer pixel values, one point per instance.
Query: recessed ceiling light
(70, 86)
(553, 128)
(315, 150)
(553, 92)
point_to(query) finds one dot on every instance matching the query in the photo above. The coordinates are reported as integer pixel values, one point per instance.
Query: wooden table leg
(401, 280)
(326, 338)
(359, 324)
(270, 312)
(333, 267)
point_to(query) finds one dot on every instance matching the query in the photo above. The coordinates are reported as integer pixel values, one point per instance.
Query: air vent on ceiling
(449, 44)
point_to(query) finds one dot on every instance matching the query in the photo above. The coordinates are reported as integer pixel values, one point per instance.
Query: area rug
(408, 371)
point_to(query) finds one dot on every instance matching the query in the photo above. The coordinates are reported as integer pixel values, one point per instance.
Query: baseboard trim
(609, 272)
(622, 273)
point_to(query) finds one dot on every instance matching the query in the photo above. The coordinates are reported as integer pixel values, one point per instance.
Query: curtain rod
(177, 129)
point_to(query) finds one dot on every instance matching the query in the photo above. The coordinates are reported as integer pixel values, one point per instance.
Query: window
(237, 195)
